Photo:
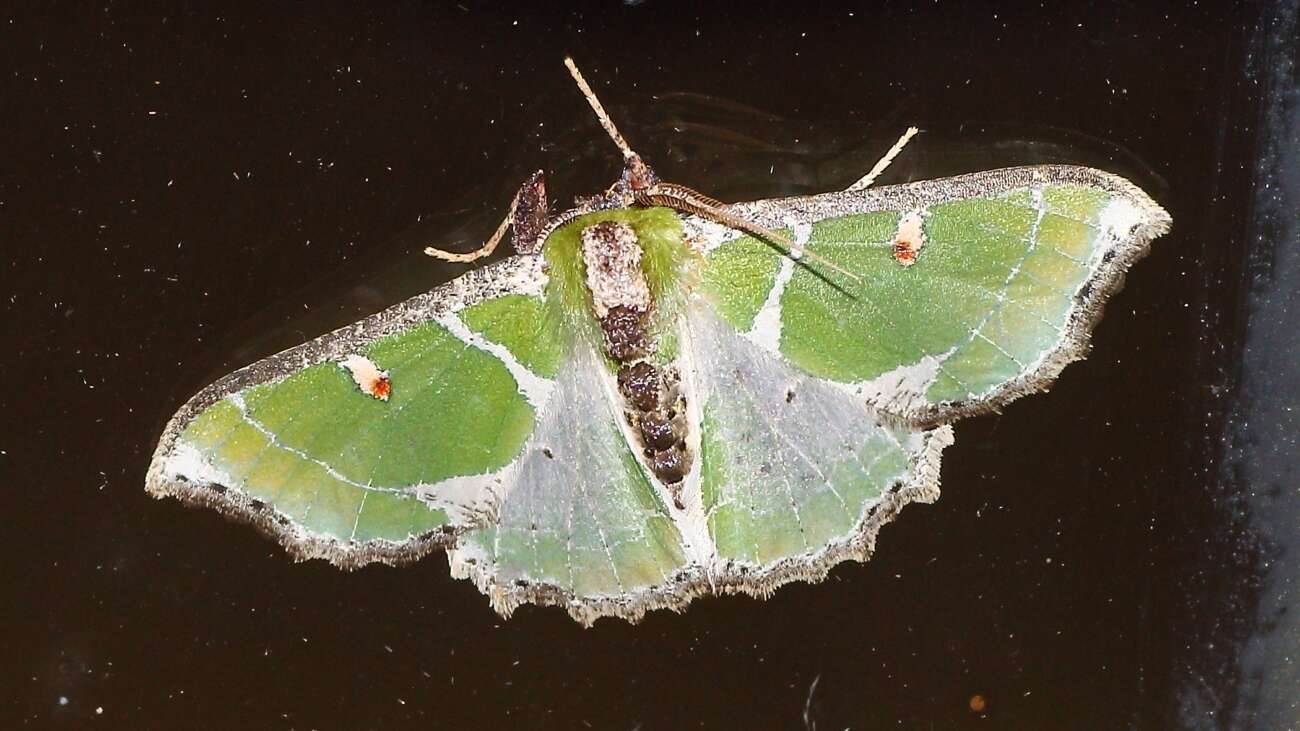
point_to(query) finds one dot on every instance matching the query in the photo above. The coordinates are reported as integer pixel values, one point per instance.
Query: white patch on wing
(902, 390)
(909, 238)
(693, 523)
(1117, 221)
(187, 462)
(368, 377)
(706, 235)
(766, 331)
(469, 498)
(532, 386)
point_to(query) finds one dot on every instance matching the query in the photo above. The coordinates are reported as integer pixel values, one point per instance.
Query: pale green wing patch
(796, 474)
(580, 524)
(1007, 276)
(294, 445)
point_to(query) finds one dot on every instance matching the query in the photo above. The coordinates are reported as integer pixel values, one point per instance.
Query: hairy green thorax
(666, 261)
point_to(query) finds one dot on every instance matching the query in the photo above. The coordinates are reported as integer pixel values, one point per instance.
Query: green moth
(659, 396)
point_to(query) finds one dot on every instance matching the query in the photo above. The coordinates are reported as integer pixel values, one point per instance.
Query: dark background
(185, 191)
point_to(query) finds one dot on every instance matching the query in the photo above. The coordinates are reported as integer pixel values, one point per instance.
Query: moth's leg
(531, 211)
(527, 213)
(869, 178)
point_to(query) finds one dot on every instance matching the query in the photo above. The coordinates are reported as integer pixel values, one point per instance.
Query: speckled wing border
(514, 275)
(723, 577)
(1088, 302)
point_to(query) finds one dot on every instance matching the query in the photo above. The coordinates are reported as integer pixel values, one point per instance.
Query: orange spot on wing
(905, 252)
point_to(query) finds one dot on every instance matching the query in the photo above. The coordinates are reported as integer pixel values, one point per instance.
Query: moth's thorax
(612, 255)
(620, 297)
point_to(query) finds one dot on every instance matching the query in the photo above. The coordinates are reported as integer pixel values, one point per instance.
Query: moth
(659, 396)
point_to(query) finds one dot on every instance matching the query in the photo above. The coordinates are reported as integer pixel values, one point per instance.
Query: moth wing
(795, 473)
(496, 440)
(974, 290)
(824, 402)
(580, 524)
(303, 446)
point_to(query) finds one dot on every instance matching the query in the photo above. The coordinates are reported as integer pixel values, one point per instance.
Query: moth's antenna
(684, 199)
(605, 121)
(883, 163)
(681, 198)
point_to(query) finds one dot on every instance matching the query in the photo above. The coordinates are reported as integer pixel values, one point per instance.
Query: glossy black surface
(182, 193)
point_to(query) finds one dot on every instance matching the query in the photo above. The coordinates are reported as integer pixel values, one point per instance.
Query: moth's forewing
(987, 299)
(294, 446)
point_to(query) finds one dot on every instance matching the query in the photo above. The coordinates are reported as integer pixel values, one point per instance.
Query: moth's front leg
(531, 212)
(528, 214)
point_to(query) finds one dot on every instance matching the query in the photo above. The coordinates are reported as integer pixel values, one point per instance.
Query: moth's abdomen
(622, 303)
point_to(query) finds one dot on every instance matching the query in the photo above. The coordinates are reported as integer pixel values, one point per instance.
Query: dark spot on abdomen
(625, 337)
(670, 465)
(657, 431)
(641, 384)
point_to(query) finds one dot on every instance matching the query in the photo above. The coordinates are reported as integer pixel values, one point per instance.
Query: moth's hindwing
(796, 474)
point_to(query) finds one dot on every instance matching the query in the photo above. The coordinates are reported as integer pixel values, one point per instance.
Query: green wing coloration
(501, 440)
(816, 407)
(580, 523)
(818, 390)
(1010, 273)
(796, 474)
(292, 443)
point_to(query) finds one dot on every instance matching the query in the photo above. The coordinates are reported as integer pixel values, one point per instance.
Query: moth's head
(637, 176)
